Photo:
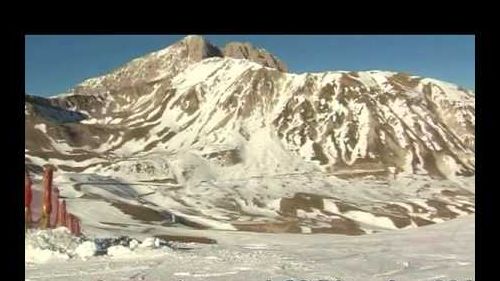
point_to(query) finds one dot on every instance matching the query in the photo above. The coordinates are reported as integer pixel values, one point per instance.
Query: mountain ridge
(344, 78)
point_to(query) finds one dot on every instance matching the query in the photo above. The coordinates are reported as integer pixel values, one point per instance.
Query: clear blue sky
(56, 63)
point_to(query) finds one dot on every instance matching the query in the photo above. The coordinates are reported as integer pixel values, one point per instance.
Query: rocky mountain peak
(198, 48)
(247, 51)
(166, 63)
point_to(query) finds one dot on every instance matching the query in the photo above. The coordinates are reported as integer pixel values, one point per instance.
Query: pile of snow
(86, 249)
(45, 245)
(119, 251)
(42, 246)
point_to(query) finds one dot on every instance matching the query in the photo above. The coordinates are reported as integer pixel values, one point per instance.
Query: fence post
(77, 226)
(61, 215)
(56, 211)
(27, 200)
(47, 197)
(69, 222)
(73, 224)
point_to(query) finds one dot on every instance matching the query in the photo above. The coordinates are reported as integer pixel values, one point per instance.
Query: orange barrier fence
(41, 214)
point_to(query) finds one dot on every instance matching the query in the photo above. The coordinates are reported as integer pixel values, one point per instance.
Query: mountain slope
(192, 113)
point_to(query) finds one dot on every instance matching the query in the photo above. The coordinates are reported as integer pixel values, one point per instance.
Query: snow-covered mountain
(193, 114)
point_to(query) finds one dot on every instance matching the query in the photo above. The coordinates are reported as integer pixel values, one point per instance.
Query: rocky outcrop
(247, 51)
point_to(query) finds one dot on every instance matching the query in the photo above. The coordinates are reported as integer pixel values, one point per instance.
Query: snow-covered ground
(442, 251)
